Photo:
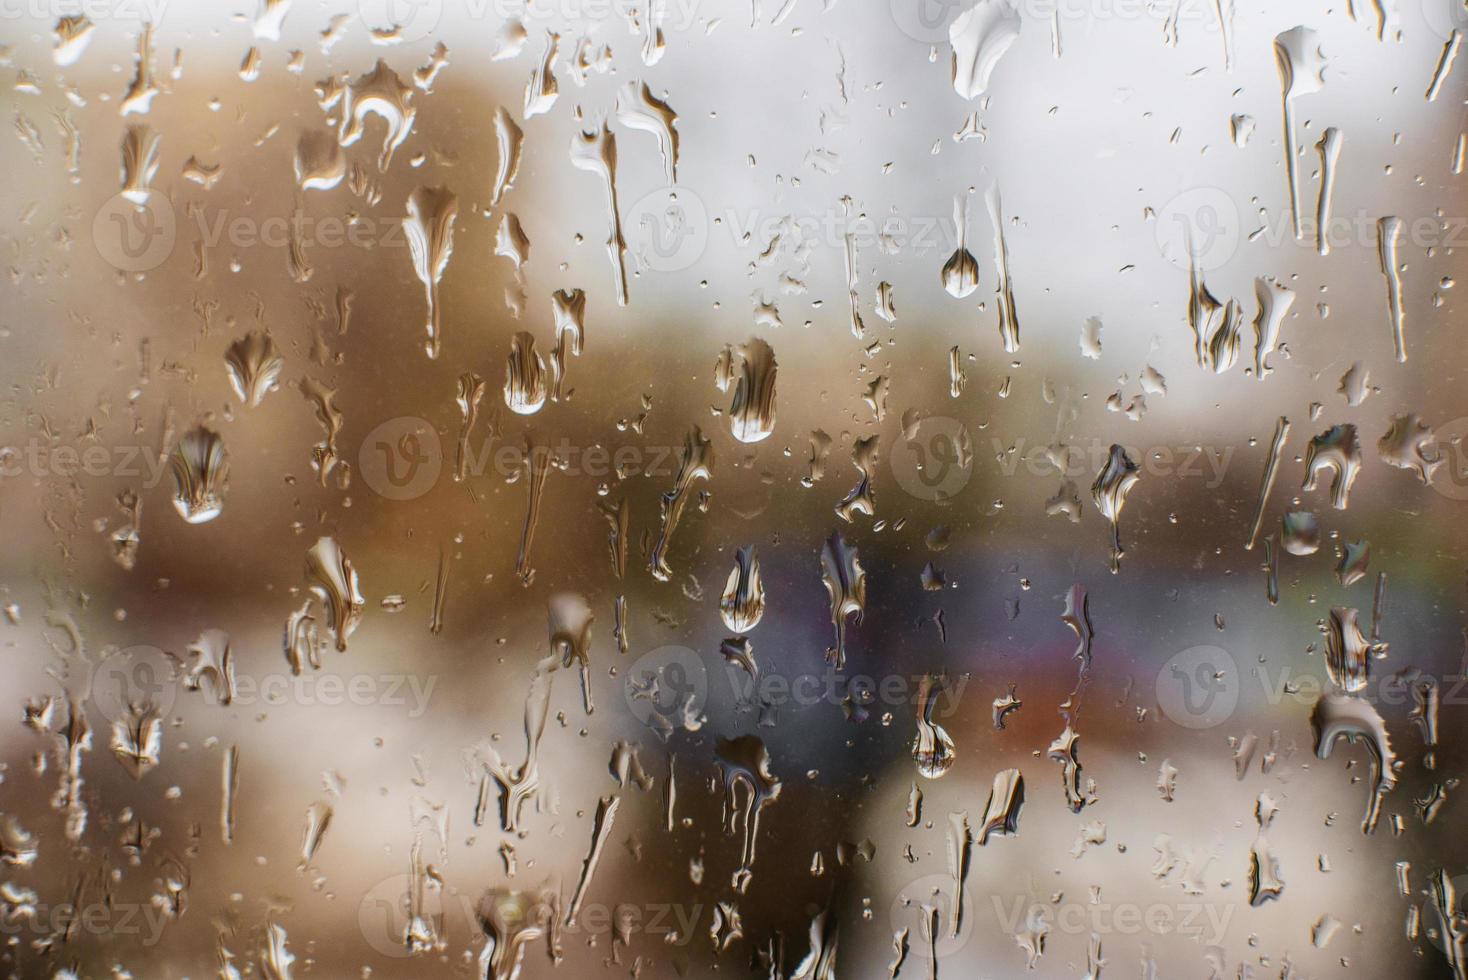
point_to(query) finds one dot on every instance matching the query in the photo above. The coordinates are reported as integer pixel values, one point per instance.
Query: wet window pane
(684, 488)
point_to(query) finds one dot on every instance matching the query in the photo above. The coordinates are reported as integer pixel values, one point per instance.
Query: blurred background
(196, 780)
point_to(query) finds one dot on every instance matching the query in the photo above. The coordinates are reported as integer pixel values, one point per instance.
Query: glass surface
(716, 489)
